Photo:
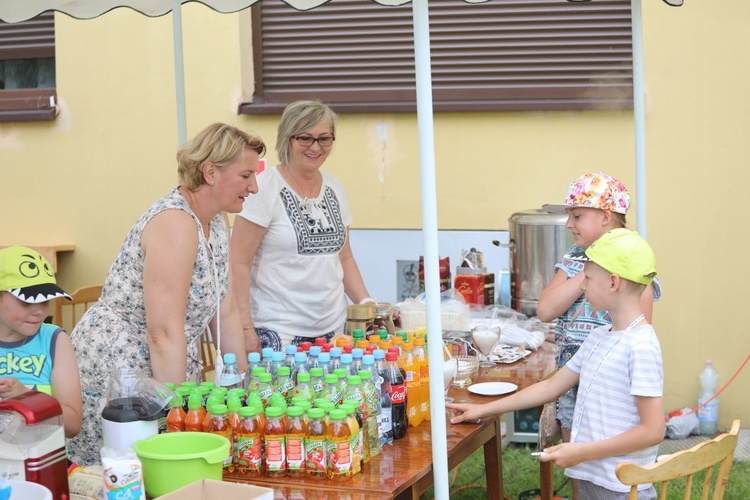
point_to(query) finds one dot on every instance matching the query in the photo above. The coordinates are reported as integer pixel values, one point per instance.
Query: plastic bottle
(249, 444)
(184, 393)
(303, 387)
(315, 443)
(300, 365)
(339, 447)
(708, 416)
(267, 354)
(289, 352)
(355, 443)
(230, 375)
(324, 362)
(233, 416)
(296, 430)
(331, 390)
(343, 375)
(253, 361)
(346, 364)
(385, 417)
(398, 396)
(277, 360)
(176, 415)
(213, 400)
(355, 395)
(284, 384)
(220, 426)
(317, 381)
(420, 354)
(265, 390)
(275, 443)
(357, 354)
(413, 384)
(312, 356)
(253, 379)
(335, 354)
(372, 399)
(195, 414)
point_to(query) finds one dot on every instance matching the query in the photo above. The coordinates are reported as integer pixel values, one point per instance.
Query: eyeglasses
(307, 141)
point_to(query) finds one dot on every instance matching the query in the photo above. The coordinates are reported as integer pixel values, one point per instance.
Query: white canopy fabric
(21, 10)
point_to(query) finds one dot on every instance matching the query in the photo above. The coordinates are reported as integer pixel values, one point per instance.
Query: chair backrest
(686, 463)
(208, 354)
(68, 312)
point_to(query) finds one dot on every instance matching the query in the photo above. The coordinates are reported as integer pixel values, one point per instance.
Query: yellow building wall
(84, 178)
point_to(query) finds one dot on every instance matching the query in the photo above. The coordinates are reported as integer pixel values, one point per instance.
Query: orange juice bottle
(176, 415)
(355, 443)
(296, 430)
(220, 426)
(275, 442)
(339, 447)
(420, 353)
(233, 415)
(249, 443)
(315, 443)
(411, 367)
(195, 414)
(212, 401)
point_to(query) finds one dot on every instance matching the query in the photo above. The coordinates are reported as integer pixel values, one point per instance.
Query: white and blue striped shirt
(614, 369)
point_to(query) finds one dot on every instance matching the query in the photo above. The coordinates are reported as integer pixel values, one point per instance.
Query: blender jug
(135, 408)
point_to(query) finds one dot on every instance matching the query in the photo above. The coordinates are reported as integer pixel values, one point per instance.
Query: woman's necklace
(306, 203)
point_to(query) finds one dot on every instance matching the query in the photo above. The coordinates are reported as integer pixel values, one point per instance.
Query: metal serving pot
(538, 240)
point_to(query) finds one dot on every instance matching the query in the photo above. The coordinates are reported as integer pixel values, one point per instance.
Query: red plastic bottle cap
(306, 346)
(348, 349)
(320, 341)
(395, 350)
(391, 356)
(299, 349)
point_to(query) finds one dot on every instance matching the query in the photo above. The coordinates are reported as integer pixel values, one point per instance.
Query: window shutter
(30, 39)
(511, 54)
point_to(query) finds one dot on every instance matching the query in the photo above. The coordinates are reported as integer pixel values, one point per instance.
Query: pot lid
(538, 217)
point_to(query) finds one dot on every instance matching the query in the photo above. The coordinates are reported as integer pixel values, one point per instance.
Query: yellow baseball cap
(27, 275)
(623, 252)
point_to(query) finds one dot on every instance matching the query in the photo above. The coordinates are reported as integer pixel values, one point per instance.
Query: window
(27, 69)
(499, 55)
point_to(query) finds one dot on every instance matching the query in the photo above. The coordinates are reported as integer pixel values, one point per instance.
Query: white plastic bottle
(708, 416)
(230, 375)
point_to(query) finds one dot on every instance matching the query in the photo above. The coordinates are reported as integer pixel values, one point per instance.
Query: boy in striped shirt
(619, 413)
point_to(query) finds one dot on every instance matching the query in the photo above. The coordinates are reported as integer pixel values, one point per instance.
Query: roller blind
(27, 69)
(499, 55)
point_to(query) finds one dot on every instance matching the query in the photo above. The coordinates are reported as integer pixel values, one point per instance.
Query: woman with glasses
(291, 260)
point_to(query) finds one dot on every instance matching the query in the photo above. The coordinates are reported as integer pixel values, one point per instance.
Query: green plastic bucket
(176, 459)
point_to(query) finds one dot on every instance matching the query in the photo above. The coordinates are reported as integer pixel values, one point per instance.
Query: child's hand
(464, 412)
(10, 387)
(564, 454)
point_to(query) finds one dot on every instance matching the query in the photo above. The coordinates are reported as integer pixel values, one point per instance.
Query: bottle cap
(294, 411)
(316, 413)
(267, 352)
(290, 350)
(303, 377)
(300, 358)
(274, 411)
(284, 371)
(338, 415)
(218, 409)
(364, 374)
(331, 378)
(316, 372)
(253, 357)
(354, 380)
(248, 411)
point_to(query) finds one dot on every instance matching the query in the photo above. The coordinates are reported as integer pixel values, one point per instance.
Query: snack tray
(508, 354)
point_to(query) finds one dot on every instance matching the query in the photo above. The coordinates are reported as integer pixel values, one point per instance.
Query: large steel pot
(538, 240)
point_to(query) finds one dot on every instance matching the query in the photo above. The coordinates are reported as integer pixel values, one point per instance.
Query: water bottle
(230, 375)
(708, 416)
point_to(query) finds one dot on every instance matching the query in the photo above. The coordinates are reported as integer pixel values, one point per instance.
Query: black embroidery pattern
(312, 237)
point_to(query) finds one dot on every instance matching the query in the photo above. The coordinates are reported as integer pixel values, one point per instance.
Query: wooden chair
(208, 353)
(686, 463)
(68, 312)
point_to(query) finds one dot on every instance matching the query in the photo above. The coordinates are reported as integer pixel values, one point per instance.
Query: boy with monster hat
(35, 355)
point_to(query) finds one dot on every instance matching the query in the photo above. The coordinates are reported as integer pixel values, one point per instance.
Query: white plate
(492, 388)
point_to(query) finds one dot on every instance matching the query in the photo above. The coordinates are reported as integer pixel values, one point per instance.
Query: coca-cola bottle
(398, 395)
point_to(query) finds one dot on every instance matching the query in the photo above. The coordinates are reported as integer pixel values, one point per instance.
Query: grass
(521, 475)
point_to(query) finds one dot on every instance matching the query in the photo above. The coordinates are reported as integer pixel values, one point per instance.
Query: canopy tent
(21, 10)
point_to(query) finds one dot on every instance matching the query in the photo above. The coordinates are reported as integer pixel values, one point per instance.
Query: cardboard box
(471, 286)
(208, 489)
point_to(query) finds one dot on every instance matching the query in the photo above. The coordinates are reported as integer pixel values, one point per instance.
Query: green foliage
(521, 474)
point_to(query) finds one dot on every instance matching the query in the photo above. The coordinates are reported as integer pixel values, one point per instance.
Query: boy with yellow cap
(619, 413)
(35, 355)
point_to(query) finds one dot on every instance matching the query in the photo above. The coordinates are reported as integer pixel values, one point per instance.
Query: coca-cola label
(398, 393)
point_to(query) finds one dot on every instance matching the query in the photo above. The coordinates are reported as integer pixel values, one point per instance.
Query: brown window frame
(30, 39)
(501, 55)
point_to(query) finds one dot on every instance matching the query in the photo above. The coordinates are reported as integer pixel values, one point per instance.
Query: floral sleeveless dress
(112, 333)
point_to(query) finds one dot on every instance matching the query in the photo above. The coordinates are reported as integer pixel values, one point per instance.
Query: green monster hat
(28, 276)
